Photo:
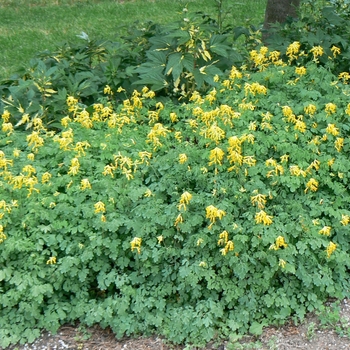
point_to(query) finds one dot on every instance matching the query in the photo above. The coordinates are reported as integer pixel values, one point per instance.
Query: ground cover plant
(224, 214)
(204, 208)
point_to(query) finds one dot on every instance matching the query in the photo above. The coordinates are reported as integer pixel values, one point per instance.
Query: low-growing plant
(194, 221)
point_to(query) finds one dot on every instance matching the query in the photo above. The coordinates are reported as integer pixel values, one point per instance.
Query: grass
(31, 26)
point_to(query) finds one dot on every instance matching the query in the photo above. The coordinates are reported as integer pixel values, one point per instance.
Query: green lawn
(30, 26)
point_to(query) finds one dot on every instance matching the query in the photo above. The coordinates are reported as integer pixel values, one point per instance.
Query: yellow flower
(274, 56)
(280, 243)
(255, 88)
(145, 156)
(282, 263)
(330, 108)
(293, 49)
(287, 111)
(249, 160)
(107, 90)
(65, 121)
(345, 219)
(296, 171)
(235, 73)
(31, 156)
(85, 184)
(184, 200)
(312, 185)
(160, 239)
(108, 170)
(46, 177)
(284, 158)
(216, 156)
(127, 173)
(7, 127)
(300, 126)
(330, 249)
(6, 116)
(71, 101)
(332, 129)
(228, 247)
(223, 238)
(326, 231)
(259, 200)
(335, 50)
(178, 220)
(2, 235)
(214, 133)
(300, 70)
(51, 261)
(262, 218)
(203, 264)
(317, 51)
(182, 158)
(310, 109)
(136, 244)
(74, 167)
(199, 241)
(212, 213)
(339, 143)
(173, 117)
(148, 193)
(345, 76)
(99, 207)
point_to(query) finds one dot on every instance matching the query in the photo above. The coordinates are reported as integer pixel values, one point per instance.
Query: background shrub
(323, 26)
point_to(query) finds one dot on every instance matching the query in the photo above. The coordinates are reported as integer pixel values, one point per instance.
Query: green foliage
(195, 221)
(187, 55)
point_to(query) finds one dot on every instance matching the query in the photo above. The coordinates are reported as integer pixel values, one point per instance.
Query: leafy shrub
(191, 221)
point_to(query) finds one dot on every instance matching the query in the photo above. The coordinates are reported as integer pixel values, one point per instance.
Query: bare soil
(314, 333)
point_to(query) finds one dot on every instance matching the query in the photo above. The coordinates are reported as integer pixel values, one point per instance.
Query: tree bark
(279, 11)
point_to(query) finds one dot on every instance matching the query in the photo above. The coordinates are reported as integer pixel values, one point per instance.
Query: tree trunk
(279, 11)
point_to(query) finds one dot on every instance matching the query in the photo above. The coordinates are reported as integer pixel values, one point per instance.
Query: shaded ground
(328, 331)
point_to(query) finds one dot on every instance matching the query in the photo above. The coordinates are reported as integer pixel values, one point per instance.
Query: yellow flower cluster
(2, 234)
(99, 207)
(182, 158)
(156, 132)
(234, 151)
(330, 249)
(216, 156)
(74, 167)
(224, 241)
(259, 200)
(136, 244)
(262, 218)
(213, 213)
(4, 162)
(255, 88)
(279, 243)
(326, 231)
(184, 200)
(345, 220)
(311, 185)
